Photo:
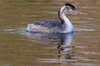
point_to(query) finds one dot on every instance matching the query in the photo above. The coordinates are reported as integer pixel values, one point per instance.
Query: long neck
(64, 19)
(62, 16)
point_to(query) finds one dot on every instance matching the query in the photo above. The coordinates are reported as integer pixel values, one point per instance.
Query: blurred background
(18, 48)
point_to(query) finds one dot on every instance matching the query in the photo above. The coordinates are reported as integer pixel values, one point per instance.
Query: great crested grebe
(62, 26)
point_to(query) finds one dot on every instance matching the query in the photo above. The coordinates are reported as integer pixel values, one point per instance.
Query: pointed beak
(77, 12)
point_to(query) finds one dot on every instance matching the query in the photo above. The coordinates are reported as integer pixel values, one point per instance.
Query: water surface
(20, 48)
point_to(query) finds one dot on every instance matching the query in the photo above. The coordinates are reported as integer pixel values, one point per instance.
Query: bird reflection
(65, 45)
(63, 41)
(65, 52)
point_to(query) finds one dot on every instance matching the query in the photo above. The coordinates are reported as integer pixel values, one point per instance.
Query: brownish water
(18, 48)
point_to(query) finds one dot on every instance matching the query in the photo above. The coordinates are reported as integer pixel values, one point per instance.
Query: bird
(63, 25)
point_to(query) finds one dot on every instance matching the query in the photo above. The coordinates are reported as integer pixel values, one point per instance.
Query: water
(19, 48)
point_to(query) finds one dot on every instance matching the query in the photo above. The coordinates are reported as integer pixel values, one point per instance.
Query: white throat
(69, 27)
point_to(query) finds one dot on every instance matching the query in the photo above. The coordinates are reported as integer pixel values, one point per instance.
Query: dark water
(19, 48)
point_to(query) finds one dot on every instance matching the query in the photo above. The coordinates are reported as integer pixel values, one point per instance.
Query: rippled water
(20, 48)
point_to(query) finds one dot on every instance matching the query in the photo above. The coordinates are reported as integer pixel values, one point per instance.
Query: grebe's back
(46, 27)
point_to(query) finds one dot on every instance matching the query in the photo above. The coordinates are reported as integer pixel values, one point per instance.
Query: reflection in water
(65, 53)
(64, 45)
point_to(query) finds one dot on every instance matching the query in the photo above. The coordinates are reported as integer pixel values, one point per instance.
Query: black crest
(68, 4)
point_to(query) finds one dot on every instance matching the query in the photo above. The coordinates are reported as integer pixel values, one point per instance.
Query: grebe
(62, 26)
